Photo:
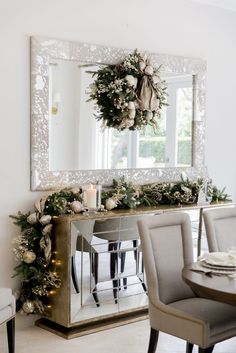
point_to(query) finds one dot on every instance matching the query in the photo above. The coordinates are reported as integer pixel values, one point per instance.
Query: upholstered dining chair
(166, 242)
(7, 315)
(220, 227)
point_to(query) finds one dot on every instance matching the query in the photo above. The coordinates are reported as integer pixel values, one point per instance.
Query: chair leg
(95, 267)
(94, 270)
(73, 274)
(113, 247)
(122, 268)
(122, 261)
(189, 347)
(95, 296)
(153, 340)
(135, 245)
(206, 350)
(11, 335)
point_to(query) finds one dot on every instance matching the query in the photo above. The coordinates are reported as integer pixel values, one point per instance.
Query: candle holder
(92, 197)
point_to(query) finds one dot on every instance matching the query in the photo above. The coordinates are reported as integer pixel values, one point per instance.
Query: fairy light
(52, 292)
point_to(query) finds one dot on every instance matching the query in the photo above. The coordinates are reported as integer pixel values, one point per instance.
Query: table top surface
(218, 287)
(138, 211)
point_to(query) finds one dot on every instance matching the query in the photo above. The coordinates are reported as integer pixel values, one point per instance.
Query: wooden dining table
(212, 286)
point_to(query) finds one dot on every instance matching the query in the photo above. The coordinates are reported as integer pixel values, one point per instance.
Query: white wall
(175, 27)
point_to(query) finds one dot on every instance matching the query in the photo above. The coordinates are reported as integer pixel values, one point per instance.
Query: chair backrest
(220, 227)
(166, 242)
(117, 229)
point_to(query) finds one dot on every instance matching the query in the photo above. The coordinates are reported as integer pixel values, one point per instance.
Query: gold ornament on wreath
(129, 95)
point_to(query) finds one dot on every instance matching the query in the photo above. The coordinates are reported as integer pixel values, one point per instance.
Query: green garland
(38, 264)
(125, 195)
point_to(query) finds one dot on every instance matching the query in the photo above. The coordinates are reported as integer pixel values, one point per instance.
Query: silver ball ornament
(28, 307)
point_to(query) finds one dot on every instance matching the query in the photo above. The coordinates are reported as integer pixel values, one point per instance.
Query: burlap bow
(147, 95)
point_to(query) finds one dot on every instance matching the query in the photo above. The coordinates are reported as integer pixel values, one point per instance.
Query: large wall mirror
(69, 147)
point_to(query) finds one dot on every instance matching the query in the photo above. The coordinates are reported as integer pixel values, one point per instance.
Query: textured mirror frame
(42, 51)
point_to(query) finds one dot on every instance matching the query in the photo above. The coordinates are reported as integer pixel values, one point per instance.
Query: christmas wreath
(129, 95)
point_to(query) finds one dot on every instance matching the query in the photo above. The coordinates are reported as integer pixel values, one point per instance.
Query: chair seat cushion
(220, 316)
(5, 297)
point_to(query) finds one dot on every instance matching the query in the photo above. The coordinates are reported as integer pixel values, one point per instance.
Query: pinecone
(41, 261)
(28, 232)
(156, 196)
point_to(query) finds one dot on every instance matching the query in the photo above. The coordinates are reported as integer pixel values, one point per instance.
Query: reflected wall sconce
(55, 103)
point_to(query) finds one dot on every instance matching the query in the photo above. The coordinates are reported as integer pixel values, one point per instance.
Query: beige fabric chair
(220, 227)
(173, 308)
(7, 315)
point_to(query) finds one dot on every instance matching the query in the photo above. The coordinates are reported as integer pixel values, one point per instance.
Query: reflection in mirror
(107, 271)
(77, 141)
(62, 153)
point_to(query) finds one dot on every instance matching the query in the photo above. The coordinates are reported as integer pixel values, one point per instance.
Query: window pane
(152, 145)
(119, 149)
(184, 126)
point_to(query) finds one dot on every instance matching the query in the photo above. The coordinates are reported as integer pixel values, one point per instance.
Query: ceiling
(225, 4)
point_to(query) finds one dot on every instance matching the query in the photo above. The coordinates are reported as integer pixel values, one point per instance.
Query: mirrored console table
(99, 258)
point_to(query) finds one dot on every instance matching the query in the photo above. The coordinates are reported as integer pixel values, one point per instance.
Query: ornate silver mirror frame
(42, 51)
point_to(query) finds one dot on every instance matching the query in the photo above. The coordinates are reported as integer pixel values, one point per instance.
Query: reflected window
(170, 145)
(77, 141)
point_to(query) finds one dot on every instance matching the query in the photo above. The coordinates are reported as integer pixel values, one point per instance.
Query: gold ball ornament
(28, 307)
(29, 257)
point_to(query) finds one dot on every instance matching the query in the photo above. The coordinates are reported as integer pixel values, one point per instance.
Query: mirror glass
(68, 148)
(78, 142)
(107, 268)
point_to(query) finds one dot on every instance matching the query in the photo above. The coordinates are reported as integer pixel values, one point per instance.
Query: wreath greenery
(129, 95)
(38, 266)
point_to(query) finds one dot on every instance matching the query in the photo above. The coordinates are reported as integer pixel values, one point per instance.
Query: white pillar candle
(91, 196)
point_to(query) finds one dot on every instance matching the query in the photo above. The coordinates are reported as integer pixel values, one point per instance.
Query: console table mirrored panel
(107, 267)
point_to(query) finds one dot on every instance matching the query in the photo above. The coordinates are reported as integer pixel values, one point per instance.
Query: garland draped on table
(38, 266)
